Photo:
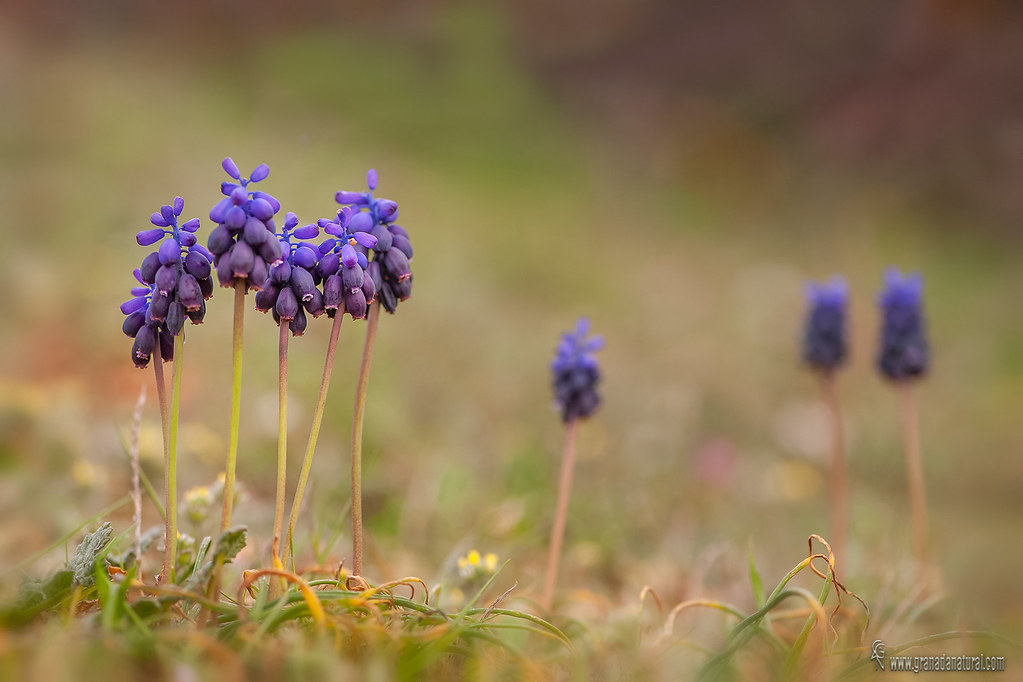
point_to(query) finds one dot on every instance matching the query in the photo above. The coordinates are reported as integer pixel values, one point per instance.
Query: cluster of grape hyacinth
(391, 256)
(244, 244)
(576, 372)
(904, 352)
(174, 283)
(824, 344)
(289, 291)
(345, 268)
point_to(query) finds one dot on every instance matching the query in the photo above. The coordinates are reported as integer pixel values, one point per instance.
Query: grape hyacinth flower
(289, 291)
(824, 350)
(176, 282)
(576, 375)
(243, 243)
(904, 352)
(824, 343)
(390, 268)
(903, 357)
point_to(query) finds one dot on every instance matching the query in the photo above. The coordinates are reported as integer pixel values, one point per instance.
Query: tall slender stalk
(282, 438)
(171, 485)
(561, 513)
(914, 467)
(838, 480)
(357, 418)
(314, 432)
(136, 476)
(236, 401)
(161, 395)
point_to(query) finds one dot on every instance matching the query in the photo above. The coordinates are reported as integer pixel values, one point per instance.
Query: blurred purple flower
(824, 334)
(576, 372)
(904, 352)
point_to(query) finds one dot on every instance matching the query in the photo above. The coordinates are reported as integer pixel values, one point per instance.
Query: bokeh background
(674, 170)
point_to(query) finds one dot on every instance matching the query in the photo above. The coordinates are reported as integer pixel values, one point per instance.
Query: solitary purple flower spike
(391, 250)
(824, 344)
(576, 373)
(904, 351)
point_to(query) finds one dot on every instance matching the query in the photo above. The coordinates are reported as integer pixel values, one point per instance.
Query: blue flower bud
(328, 265)
(197, 265)
(133, 304)
(255, 232)
(238, 196)
(166, 341)
(133, 323)
(228, 188)
(206, 287)
(267, 298)
(332, 289)
(170, 251)
(398, 230)
(287, 304)
(220, 240)
(219, 212)
(355, 303)
(403, 244)
(306, 232)
(365, 239)
(158, 307)
(148, 237)
(235, 218)
(259, 274)
(387, 210)
(196, 316)
(369, 290)
(371, 178)
(348, 256)
(168, 214)
(271, 251)
(190, 225)
(352, 277)
(262, 209)
(140, 291)
(396, 263)
(142, 349)
(231, 169)
(280, 273)
(298, 325)
(383, 236)
(350, 198)
(305, 257)
(166, 278)
(175, 318)
(241, 258)
(374, 272)
(402, 288)
(360, 222)
(186, 239)
(314, 306)
(363, 261)
(158, 220)
(189, 293)
(260, 172)
(270, 199)
(302, 283)
(179, 206)
(150, 264)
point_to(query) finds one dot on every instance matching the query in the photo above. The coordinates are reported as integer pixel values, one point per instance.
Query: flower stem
(314, 432)
(282, 438)
(914, 467)
(839, 491)
(161, 394)
(357, 418)
(236, 401)
(558, 532)
(172, 459)
(136, 476)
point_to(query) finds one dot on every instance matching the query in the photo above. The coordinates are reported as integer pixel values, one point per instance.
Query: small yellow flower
(490, 562)
(473, 564)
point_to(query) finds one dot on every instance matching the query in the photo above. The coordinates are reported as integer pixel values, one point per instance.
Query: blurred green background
(674, 170)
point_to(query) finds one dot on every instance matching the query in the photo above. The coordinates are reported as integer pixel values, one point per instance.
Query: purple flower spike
(824, 343)
(231, 169)
(260, 172)
(149, 237)
(179, 205)
(904, 350)
(576, 373)
(371, 178)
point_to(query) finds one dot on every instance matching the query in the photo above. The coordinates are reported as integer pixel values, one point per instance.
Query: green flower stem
(561, 512)
(171, 484)
(914, 468)
(357, 418)
(314, 432)
(282, 438)
(161, 394)
(839, 489)
(240, 286)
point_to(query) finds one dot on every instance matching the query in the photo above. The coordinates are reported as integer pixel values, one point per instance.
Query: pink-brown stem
(914, 468)
(161, 394)
(357, 419)
(838, 479)
(561, 513)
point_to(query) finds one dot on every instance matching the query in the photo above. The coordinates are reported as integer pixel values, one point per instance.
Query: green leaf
(230, 543)
(754, 578)
(83, 562)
